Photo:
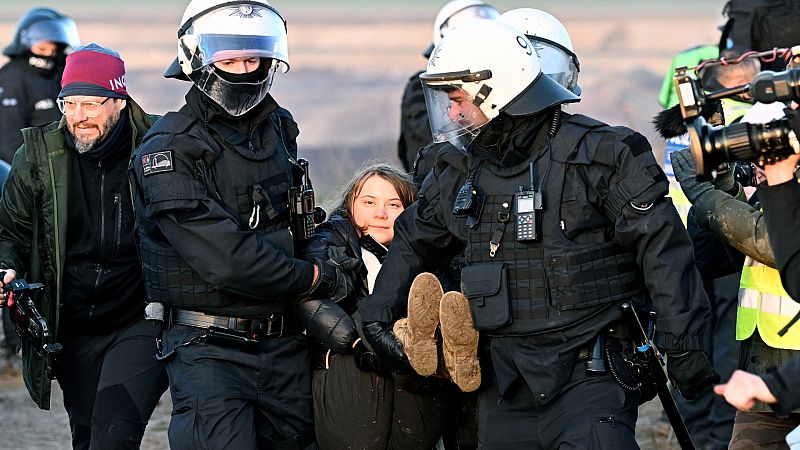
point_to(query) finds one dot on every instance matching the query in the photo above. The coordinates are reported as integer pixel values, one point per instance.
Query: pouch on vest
(486, 288)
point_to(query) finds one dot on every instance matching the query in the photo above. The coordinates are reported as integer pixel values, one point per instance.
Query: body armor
(253, 187)
(551, 284)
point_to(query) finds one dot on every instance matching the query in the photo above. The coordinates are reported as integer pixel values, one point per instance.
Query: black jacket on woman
(326, 321)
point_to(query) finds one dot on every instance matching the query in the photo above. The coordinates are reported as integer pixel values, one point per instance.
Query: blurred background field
(349, 62)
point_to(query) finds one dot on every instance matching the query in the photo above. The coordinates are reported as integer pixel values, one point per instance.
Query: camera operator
(761, 294)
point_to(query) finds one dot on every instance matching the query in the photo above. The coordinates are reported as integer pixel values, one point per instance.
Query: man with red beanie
(66, 221)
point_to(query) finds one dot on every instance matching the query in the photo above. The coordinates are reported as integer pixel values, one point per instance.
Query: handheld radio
(528, 209)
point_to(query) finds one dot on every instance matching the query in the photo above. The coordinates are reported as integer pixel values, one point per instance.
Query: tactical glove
(385, 344)
(691, 372)
(684, 168)
(367, 360)
(335, 279)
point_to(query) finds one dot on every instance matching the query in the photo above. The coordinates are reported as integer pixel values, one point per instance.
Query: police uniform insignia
(157, 162)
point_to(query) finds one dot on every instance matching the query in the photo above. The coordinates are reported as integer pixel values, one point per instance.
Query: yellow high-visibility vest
(765, 306)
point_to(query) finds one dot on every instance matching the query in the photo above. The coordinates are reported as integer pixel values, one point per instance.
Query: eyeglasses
(91, 109)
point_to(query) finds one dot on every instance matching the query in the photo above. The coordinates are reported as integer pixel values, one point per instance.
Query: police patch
(157, 162)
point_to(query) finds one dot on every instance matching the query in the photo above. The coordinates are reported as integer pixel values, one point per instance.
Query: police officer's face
(375, 209)
(238, 65)
(463, 111)
(89, 131)
(44, 48)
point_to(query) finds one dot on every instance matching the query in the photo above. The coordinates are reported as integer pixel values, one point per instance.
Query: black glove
(336, 276)
(367, 361)
(691, 372)
(726, 181)
(684, 168)
(385, 344)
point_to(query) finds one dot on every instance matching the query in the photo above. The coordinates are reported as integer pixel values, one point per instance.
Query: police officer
(561, 218)
(30, 81)
(211, 184)
(415, 131)
(552, 43)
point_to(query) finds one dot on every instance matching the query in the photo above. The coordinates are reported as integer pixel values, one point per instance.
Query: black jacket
(27, 99)
(623, 193)
(196, 178)
(328, 322)
(782, 217)
(415, 129)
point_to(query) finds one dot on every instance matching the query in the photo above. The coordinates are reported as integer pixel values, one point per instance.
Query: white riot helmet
(455, 13)
(479, 70)
(551, 42)
(217, 30)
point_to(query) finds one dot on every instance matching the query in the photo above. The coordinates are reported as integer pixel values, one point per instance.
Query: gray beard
(83, 148)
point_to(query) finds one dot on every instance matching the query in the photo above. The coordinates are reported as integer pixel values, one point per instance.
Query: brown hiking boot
(423, 318)
(459, 341)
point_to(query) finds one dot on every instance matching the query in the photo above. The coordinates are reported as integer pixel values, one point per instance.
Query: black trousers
(709, 418)
(359, 410)
(592, 412)
(226, 397)
(111, 384)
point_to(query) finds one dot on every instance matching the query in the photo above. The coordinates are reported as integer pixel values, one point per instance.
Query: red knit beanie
(94, 70)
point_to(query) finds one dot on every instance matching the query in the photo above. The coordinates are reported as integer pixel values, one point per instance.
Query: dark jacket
(613, 191)
(33, 226)
(27, 99)
(326, 321)
(782, 382)
(196, 178)
(415, 129)
(782, 217)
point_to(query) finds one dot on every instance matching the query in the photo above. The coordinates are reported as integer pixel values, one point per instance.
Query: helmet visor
(61, 31)
(239, 31)
(236, 98)
(453, 113)
(557, 63)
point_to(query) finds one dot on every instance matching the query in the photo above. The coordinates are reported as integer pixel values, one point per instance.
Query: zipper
(102, 209)
(117, 221)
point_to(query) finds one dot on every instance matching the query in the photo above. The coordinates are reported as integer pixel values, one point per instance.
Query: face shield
(61, 31)
(453, 110)
(557, 62)
(238, 31)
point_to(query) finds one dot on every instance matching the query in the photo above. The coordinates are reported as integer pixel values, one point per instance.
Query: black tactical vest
(253, 187)
(553, 284)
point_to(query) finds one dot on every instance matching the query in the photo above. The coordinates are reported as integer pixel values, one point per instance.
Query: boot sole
(423, 318)
(459, 341)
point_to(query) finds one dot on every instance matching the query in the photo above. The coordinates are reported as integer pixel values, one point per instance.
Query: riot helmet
(551, 42)
(217, 30)
(43, 24)
(479, 70)
(455, 13)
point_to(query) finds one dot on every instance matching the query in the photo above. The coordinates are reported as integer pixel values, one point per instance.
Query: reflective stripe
(778, 305)
(748, 298)
(764, 305)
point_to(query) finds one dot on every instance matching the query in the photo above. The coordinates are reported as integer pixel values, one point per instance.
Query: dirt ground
(349, 62)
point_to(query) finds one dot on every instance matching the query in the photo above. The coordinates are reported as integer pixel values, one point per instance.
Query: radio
(528, 210)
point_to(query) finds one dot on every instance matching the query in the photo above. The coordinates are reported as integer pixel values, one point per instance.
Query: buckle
(273, 325)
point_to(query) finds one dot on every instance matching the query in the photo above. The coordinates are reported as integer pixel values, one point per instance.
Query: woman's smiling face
(375, 209)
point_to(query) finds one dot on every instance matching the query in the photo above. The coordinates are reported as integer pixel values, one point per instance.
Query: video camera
(28, 322)
(762, 144)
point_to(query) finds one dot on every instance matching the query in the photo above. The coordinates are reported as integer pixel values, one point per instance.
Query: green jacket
(33, 213)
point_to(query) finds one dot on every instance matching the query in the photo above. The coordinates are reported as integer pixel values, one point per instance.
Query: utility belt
(274, 325)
